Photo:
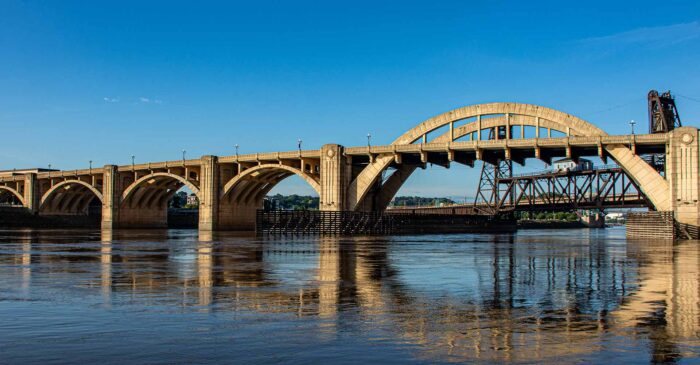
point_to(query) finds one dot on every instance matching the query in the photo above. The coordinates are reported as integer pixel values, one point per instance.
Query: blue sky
(84, 81)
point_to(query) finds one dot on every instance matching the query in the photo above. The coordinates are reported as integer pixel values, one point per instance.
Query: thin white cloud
(146, 100)
(648, 36)
(110, 100)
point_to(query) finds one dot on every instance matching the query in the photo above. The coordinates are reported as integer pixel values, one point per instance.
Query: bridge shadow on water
(535, 296)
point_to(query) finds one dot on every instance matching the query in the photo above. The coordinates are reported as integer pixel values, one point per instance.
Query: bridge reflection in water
(529, 297)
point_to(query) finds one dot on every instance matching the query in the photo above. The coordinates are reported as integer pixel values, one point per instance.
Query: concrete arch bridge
(231, 188)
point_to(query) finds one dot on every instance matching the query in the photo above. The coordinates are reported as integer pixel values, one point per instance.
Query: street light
(369, 137)
(299, 144)
(236, 149)
(632, 123)
(90, 164)
(183, 155)
(49, 166)
(133, 158)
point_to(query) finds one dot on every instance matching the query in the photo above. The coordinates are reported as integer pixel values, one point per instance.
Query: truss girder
(597, 189)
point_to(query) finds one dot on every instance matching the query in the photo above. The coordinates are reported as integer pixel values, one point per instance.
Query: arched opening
(183, 209)
(10, 197)
(435, 186)
(245, 193)
(292, 193)
(147, 202)
(72, 197)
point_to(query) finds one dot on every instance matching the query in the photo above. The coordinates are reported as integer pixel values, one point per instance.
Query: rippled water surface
(546, 296)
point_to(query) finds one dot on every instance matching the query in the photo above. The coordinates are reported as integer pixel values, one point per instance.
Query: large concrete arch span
(243, 194)
(150, 189)
(491, 115)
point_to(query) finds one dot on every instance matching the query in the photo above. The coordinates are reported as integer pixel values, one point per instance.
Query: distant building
(567, 164)
(614, 216)
(192, 199)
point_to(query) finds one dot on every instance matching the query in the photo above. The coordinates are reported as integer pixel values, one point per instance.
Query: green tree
(178, 200)
(292, 202)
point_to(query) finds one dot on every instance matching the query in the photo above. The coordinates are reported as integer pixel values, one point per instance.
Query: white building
(614, 216)
(192, 199)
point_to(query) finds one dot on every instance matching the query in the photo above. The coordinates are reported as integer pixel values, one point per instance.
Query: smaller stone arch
(14, 193)
(69, 197)
(144, 202)
(253, 182)
(161, 180)
(243, 195)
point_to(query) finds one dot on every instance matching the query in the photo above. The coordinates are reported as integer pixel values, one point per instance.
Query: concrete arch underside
(6, 191)
(487, 116)
(243, 195)
(144, 203)
(70, 197)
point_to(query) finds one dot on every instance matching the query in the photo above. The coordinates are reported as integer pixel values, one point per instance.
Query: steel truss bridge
(595, 189)
(606, 187)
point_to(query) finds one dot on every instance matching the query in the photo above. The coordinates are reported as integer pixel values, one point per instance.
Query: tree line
(561, 216)
(408, 201)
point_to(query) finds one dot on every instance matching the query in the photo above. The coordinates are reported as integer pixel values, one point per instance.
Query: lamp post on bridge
(299, 144)
(133, 159)
(183, 156)
(369, 138)
(90, 165)
(632, 123)
(236, 151)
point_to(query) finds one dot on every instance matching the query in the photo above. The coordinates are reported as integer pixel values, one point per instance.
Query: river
(164, 297)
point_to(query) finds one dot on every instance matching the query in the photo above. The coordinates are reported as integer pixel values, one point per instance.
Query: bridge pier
(335, 178)
(32, 198)
(209, 189)
(111, 196)
(682, 157)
